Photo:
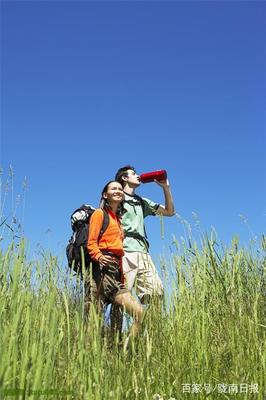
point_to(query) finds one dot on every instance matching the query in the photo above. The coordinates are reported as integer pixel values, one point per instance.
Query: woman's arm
(96, 222)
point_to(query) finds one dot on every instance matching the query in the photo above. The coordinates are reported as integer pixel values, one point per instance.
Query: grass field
(209, 341)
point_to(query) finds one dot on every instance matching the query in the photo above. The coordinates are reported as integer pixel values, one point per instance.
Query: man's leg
(133, 308)
(116, 319)
(130, 268)
(149, 285)
(130, 264)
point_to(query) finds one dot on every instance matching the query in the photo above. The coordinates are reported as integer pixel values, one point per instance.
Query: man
(138, 267)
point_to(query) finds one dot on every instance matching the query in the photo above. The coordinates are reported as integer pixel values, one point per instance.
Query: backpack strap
(105, 224)
(143, 208)
(140, 199)
(136, 235)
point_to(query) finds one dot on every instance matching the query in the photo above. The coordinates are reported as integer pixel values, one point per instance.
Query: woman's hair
(104, 203)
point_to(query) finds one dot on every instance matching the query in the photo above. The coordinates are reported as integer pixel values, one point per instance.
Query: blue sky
(88, 86)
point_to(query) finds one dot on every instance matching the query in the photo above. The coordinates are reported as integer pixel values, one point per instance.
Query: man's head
(127, 176)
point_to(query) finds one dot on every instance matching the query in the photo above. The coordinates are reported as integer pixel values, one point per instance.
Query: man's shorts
(140, 273)
(104, 284)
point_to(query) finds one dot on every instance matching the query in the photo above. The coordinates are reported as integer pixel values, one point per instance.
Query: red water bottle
(160, 175)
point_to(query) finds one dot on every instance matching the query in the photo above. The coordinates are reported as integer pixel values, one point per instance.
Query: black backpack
(76, 250)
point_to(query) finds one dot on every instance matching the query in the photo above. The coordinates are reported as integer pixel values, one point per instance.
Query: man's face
(132, 178)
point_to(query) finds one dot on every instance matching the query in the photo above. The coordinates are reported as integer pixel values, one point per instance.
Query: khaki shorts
(140, 273)
(104, 285)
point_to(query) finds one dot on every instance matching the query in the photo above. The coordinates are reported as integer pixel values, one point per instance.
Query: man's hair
(123, 172)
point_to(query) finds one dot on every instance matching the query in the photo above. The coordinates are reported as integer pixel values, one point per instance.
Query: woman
(106, 251)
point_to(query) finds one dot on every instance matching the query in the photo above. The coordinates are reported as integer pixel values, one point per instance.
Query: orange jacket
(111, 240)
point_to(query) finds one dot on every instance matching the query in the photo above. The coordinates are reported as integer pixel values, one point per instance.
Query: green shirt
(137, 208)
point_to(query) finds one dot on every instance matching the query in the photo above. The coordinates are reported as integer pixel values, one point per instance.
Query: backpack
(76, 250)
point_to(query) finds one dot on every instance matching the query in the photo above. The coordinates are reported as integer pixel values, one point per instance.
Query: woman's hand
(104, 261)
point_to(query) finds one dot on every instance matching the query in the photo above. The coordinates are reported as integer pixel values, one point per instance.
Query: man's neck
(129, 190)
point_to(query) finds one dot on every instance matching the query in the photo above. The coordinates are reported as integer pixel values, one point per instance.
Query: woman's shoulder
(98, 211)
(97, 214)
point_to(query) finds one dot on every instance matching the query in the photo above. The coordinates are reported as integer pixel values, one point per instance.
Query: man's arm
(168, 210)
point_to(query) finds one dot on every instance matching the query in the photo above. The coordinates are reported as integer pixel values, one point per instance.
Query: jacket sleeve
(96, 222)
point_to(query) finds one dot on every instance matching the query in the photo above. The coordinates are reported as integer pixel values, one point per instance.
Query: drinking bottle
(159, 175)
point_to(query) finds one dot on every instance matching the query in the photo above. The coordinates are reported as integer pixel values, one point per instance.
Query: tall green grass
(208, 342)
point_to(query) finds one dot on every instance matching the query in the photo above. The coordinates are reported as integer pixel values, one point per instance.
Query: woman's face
(114, 193)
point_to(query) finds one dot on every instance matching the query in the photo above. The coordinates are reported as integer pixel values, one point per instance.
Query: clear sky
(89, 86)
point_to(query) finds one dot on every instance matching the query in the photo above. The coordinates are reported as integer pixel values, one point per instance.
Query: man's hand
(163, 184)
(168, 209)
